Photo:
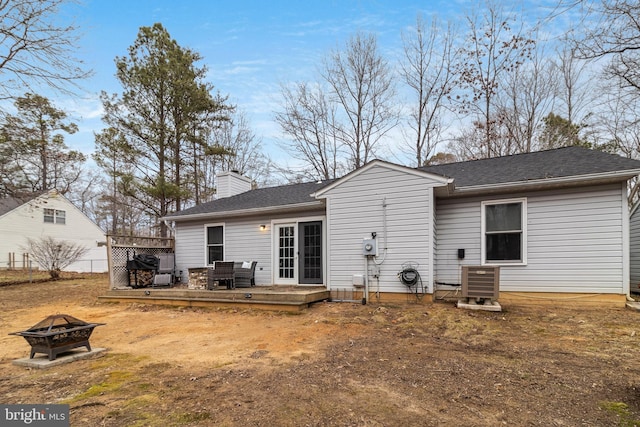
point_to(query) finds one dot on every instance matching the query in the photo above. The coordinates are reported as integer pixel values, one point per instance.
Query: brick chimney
(231, 183)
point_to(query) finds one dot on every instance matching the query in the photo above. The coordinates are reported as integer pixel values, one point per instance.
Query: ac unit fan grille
(480, 282)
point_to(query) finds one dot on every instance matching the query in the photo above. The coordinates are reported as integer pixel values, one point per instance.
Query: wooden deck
(279, 298)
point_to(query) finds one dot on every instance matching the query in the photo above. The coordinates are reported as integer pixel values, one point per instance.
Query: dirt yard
(336, 364)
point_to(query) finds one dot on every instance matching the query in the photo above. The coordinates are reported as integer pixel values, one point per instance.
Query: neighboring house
(556, 222)
(48, 214)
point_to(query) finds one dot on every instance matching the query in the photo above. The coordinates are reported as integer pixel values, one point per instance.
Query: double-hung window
(504, 232)
(61, 217)
(49, 215)
(215, 243)
(54, 216)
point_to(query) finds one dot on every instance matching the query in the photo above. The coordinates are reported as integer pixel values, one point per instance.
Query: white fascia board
(245, 212)
(438, 178)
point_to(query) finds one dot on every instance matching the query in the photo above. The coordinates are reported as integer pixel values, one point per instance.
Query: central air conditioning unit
(480, 282)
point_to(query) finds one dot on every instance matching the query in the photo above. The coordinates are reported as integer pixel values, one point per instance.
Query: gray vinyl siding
(634, 247)
(243, 241)
(355, 210)
(189, 246)
(575, 241)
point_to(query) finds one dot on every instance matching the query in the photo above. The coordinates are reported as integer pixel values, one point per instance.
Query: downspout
(365, 300)
(171, 226)
(626, 244)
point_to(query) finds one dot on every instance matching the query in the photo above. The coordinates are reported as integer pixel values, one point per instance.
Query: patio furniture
(222, 272)
(165, 274)
(245, 277)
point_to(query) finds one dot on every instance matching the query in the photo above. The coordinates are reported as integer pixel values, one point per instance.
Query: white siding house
(244, 239)
(392, 203)
(555, 222)
(49, 215)
(574, 241)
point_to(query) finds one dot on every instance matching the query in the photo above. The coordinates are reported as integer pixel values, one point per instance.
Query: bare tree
(308, 119)
(493, 48)
(619, 122)
(614, 33)
(527, 95)
(361, 86)
(54, 255)
(574, 87)
(471, 141)
(426, 69)
(35, 49)
(244, 148)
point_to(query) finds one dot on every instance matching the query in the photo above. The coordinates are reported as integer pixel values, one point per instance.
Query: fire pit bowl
(58, 333)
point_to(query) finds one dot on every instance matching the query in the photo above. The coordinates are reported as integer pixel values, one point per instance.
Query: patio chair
(245, 277)
(222, 272)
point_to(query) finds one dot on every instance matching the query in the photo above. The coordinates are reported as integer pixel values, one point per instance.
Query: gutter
(596, 178)
(245, 212)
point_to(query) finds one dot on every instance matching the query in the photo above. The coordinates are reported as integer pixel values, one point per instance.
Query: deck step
(265, 299)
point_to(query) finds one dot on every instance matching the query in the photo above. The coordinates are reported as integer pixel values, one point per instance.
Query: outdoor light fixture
(263, 227)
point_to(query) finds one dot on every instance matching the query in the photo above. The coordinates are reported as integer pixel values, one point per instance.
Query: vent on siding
(480, 282)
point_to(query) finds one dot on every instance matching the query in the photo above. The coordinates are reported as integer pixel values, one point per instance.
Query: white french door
(286, 254)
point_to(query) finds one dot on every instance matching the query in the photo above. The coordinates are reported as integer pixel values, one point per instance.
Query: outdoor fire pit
(58, 333)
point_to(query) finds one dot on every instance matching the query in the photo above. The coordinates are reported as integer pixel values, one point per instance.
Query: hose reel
(410, 277)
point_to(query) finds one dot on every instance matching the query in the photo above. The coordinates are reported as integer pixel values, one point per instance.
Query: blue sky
(249, 47)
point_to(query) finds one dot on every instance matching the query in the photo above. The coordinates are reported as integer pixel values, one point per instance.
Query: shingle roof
(557, 163)
(7, 204)
(284, 195)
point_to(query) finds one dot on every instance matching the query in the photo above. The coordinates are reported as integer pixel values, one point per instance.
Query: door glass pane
(286, 249)
(312, 263)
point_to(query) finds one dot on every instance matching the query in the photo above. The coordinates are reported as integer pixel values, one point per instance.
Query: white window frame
(52, 216)
(523, 241)
(57, 216)
(206, 243)
(61, 217)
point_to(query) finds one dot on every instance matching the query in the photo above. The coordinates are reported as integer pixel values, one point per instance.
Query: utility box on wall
(369, 247)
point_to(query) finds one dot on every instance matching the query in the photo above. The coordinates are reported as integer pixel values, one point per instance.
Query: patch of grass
(141, 401)
(621, 409)
(114, 381)
(190, 417)
(11, 277)
(117, 359)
